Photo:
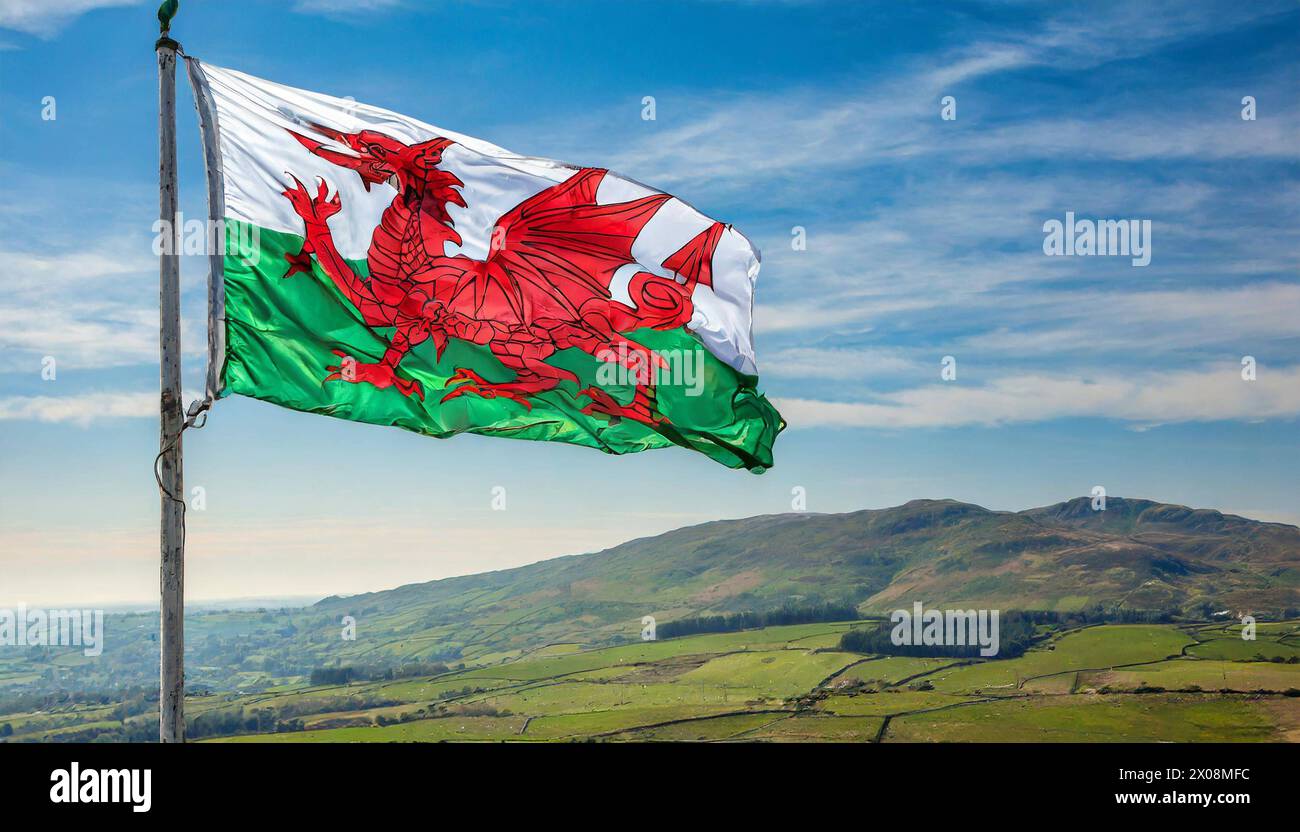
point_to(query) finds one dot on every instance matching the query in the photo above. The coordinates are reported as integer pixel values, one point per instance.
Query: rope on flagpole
(191, 421)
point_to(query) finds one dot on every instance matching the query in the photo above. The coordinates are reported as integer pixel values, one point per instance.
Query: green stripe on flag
(280, 333)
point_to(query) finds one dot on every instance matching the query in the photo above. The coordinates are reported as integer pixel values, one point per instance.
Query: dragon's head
(377, 158)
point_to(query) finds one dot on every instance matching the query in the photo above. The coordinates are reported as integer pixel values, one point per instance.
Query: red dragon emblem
(544, 286)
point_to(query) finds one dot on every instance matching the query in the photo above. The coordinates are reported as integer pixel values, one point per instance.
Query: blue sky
(924, 240)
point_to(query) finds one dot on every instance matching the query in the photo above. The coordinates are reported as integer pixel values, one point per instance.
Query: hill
(1136, 555)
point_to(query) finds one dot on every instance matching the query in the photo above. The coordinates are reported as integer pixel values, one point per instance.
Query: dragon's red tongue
(317, 148)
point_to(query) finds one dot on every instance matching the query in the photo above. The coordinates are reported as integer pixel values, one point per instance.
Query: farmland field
(1091, 648)
(1107, 617)
(1205, 674)
(1162, 718)
(1147, 683)
(784, 684)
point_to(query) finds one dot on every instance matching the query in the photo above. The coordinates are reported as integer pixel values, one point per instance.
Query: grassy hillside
(778, 684)
(1136, 555)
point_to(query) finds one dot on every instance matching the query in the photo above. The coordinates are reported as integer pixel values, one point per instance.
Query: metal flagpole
(169, 468)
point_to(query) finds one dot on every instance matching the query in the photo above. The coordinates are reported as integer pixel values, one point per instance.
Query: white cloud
(37, 273)
(45, 18)
(1165, 136)
(792, 133)
(81, 410)
(797, 132)
(839, 363)
(956, 262)
(92, 308)
(341, 7)
(835, 312)
(1087, 34)
(78, 335)
(1207, 394)
(1153, 323)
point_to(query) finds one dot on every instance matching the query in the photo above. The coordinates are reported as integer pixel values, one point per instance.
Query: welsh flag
(384, 270)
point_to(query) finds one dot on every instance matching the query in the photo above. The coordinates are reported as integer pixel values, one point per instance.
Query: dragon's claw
(640, 410)
(380, 375)
(300, 262)
(313, 209)
(468, 381)
(463, 376)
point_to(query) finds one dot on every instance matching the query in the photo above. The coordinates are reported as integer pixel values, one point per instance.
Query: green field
(544, 619)
(551, 651)
(1203, 674)
(1094, 648)
(1280, 640)
(1144, 683)
(1150, 718)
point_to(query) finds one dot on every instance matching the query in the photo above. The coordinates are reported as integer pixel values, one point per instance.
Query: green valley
(1136, 635)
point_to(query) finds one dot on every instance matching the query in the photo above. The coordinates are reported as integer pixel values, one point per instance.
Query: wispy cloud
(1155, 322)
(78, 335)
(1093, 33)
(959, 261)
(1166, 136)
(798, 132)
(795, 133)
(1216, 393)
(91, 308)
(88, 299)
(81, 410)
(842, 363)
(44, 18)
(344, 7)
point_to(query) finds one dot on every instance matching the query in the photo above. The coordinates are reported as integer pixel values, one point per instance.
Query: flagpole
(169, 468)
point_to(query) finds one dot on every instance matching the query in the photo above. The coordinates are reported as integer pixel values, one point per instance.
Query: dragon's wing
(558, 249)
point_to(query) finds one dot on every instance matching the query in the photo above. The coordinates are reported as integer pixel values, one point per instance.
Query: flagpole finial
(166, 12)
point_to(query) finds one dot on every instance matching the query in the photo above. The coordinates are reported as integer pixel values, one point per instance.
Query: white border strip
(209, 130)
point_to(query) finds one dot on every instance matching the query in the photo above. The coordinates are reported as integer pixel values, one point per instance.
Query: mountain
(1135, 554)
